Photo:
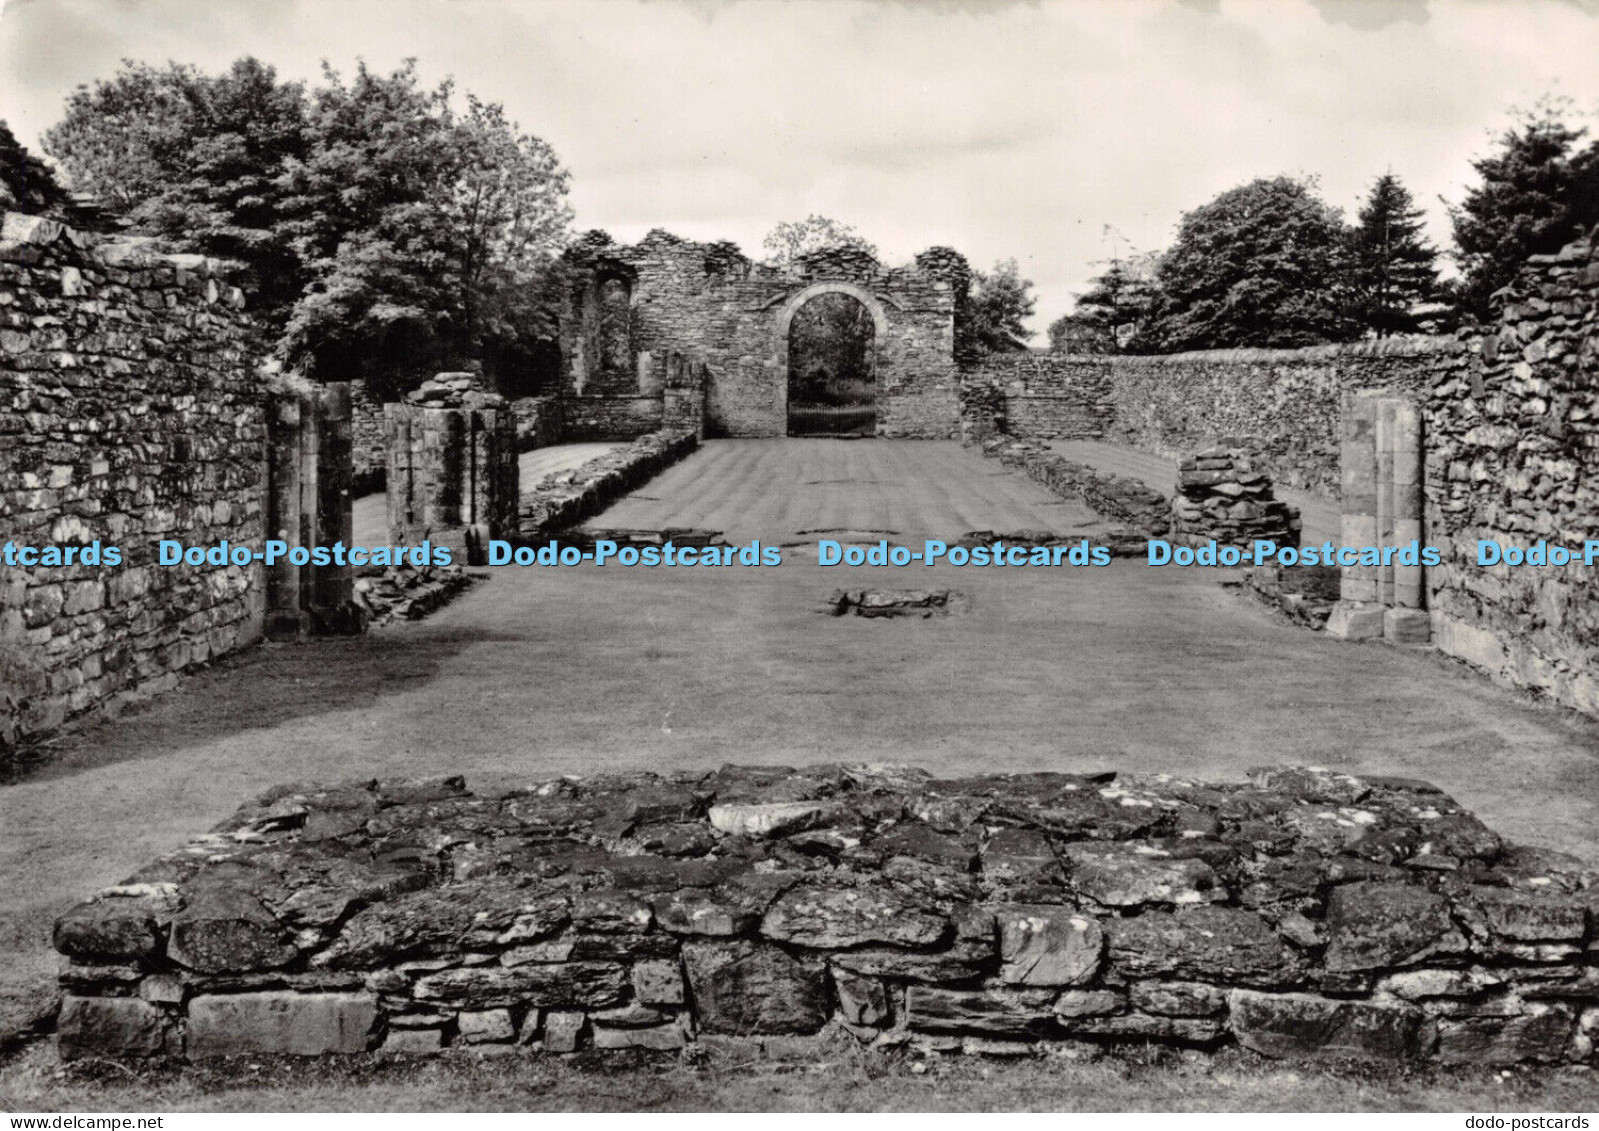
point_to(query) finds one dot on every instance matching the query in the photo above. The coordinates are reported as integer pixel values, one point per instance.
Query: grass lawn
(814, 1076)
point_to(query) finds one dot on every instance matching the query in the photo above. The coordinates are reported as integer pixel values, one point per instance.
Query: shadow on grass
(261, 687)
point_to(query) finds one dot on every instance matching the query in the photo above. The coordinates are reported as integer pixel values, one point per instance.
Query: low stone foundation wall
(1305, 914)
(568, 497)
(1112, 496)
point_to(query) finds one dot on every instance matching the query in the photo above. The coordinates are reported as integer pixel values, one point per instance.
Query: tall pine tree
(1538, 193)
(1393, 269)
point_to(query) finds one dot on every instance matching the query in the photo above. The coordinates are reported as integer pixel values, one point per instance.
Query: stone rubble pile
(410, 593)
(891, 603)
(1304, 914)
(463, 389)
(1222, 496)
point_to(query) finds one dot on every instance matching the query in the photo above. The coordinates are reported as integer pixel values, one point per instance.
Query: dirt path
(538, 672)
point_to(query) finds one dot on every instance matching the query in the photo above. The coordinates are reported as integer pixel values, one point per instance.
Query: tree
(1001, 303)
(1261, 265)
(792, 240)
(1538, 193)
(26, 183)
(195, 158)
(1392, 268)
(1113, 314)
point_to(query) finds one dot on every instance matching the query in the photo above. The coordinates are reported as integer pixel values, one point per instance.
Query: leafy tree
(26, 183)
(1001, 303)
(792, 240)
(1113, 314)
(1538, 193)
(387, 232)
(1392, 270)
(1261, 265)
(195, 158)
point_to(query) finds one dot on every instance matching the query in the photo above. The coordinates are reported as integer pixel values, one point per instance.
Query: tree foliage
(1263, 264)
(195, 158)
(1392, 269)
(388, 231)
(1113, 315)
(1001, 303)
(792, 240)
(1538, 192)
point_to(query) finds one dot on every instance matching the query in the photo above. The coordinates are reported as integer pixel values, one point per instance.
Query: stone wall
(1145, 511)
(130, 412)
(567, 498)
(1047, 396)
(710, 301)
(1281, 405)
(538, 422)
(369, 448)
(1305, 915)
(1511, 434)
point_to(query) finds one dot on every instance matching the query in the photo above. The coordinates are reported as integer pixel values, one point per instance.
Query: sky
(1058, 133)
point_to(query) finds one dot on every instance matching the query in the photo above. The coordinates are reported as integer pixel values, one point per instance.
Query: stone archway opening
(833, 339)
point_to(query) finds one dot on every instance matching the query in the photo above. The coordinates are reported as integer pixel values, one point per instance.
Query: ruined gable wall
(129, 412)
(1512, 442)
(712, 301)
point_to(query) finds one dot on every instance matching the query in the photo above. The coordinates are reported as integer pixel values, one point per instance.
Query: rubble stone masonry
(1306, 914)
(1511, 435)
(1282, 406)
(129, 413)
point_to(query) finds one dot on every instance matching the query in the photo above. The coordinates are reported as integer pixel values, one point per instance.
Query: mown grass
(824, 1077)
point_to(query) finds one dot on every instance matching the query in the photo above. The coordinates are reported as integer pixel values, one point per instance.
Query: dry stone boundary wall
(1306, 914)
(1511, 436)
(1283, 406)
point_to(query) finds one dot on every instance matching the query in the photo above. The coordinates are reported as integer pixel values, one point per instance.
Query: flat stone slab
(1303, 914)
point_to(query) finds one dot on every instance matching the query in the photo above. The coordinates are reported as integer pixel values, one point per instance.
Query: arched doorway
(832, 340)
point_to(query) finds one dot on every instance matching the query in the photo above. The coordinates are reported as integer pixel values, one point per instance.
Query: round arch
(783, 324)
(785, 316)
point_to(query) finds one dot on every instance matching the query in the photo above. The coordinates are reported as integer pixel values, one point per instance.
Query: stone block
(1543, 1035)
(280, 1021)
(563, 1030)
(862, 1000)
(835, 918)
(1222, 943)
(485, 1026)
(228, 930)
(1351, 620)
(1376, 925)
(658, 1038)
(1048, 946)
(1006, 1013)
(1301, 1026)
(1122, 874)
(1407, 626)
(658, 982)
(744, 988)
(109, 1026)
(586, 984)
(408, 1041)
(112, 930)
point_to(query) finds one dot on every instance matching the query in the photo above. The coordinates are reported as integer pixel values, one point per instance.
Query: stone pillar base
(1407, 626)
(1355, 620)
